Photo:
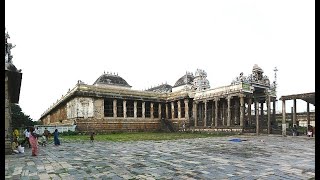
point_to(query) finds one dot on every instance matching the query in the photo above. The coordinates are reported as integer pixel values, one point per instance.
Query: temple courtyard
(255, 157)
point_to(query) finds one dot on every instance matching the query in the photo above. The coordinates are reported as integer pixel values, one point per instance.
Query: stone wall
(117, 124)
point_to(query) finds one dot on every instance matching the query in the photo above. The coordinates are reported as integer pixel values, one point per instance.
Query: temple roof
(185, 79)
(111, 79)
(161, 88)
(308, 97)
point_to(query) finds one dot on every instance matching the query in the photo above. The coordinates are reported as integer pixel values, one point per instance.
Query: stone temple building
(109, 104)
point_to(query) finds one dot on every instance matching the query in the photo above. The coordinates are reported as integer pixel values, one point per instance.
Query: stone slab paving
(258, 157)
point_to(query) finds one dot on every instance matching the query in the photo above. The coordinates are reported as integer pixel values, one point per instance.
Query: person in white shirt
(37, 131)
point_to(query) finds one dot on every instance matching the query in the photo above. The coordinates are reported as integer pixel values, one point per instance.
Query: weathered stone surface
(259, 157)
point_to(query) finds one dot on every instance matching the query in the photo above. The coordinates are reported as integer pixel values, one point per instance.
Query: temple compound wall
(110, 105)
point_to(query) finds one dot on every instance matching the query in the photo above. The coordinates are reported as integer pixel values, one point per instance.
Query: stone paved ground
(259, 157)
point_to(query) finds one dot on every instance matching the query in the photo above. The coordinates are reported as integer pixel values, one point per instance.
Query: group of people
(32, 139)
(310, 131)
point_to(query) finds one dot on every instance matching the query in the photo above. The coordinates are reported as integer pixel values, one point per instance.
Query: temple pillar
(124, 108)
(186, 109)
(294, 118)
(223, 113)
(229, 110)
(257, 116)
(159, 110)
(195, 113)
(236, 110)
(143, 110)
(179, 109)
(274, 120)
(262, 114)
(308, 114)
(151, 110)
(205, 113)
(284, 132)
(241, 109)
(249, 111)
(172, 110)
(167, 111)
(216, 101)
(135, 109)
(269, 113)
(115, 108)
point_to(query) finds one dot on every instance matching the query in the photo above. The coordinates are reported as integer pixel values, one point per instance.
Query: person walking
(92, 136)
(46, 133)
(33, 139)
(56, 137)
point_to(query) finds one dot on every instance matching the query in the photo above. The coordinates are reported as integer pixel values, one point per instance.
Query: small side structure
(307, 97)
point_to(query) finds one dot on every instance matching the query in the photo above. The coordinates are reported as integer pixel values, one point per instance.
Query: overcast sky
(153, 42)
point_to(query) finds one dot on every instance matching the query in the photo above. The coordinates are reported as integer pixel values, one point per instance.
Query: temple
(109, 104)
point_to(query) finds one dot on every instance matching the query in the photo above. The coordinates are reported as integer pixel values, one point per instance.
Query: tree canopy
(19, 119)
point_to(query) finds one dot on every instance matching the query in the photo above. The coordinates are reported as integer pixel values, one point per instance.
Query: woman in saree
(33, 139)
(56, 137)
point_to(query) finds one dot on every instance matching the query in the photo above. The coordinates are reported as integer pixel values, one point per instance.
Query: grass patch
(141, 136)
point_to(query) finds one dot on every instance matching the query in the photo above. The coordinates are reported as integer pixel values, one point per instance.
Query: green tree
(19, 119)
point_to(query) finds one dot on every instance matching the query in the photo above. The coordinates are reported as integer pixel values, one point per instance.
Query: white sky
(153, 42)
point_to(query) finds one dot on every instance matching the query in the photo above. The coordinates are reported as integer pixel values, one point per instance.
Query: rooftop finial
(104, 72)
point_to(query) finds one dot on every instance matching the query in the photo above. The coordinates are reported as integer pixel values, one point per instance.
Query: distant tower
(200, 81)
(275, 76)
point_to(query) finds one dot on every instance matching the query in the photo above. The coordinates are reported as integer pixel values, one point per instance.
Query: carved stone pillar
(236, 112)
(124, 108)
(262, 113)
(143, 110)
(159, 110)
(284, 132)
(172, 110)
(151, 110)
(205, 113)
(257, 116)
(269, 113)
(241, 109)
(294, 112)
(229, 110)
(308, 114)
(167, 111)
(179, 109)
(274, 112)
(115, 108)
(223, 113)
(186, 109)
(249, 111)
(135, 109)
(216, 101)
(195, 113)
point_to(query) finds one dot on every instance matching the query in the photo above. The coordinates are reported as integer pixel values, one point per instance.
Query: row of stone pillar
(186, 109)
(294, 118)
(241, 109)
